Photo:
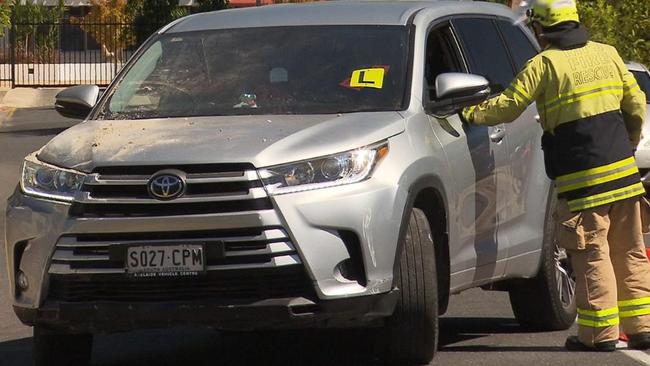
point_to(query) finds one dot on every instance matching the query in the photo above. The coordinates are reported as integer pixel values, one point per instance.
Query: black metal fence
(69, 52)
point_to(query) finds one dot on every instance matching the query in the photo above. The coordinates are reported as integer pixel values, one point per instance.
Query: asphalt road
(479, 328)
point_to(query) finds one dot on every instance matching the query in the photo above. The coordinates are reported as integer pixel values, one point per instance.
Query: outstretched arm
(507, 106)
(633, 104)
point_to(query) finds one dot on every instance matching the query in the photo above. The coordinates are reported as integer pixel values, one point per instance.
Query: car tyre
(413, 327)
(547, 301)
(54, 348)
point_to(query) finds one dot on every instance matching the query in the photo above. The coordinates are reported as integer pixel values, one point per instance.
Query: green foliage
(112, 36)
(37, 28)
(624, 24)
(5, 17)
(149, 15)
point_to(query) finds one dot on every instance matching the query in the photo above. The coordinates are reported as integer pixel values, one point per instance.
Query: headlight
(47, 181)
(329, 171)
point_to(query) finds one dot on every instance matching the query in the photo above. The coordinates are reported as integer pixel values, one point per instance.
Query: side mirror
(455, 91)
(77, 101)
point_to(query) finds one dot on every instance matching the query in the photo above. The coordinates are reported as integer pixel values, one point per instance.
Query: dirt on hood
(260, 140)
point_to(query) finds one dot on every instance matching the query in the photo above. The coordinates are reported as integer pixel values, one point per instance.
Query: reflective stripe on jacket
(594, 110)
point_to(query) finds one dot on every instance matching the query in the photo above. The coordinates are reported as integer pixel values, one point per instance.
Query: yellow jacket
(568, 85)
(591, 109)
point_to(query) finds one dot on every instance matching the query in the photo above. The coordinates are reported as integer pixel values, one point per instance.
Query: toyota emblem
(166, 186)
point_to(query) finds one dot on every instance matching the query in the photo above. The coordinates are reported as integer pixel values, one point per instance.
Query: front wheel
(412, 331)
(53, 348)
(547, 302)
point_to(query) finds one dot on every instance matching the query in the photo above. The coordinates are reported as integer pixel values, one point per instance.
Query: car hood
(260, 140)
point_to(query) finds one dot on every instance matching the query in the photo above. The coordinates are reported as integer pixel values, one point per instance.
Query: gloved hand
(467, 114)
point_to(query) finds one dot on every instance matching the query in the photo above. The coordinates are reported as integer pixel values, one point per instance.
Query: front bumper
(313, 220)
(100, 317)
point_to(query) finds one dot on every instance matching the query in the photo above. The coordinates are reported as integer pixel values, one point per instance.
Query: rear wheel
(413, 328)
(547, 302)
(54, 348)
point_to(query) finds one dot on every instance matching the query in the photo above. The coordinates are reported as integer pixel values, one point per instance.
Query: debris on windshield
(247, 100)
(273, 71)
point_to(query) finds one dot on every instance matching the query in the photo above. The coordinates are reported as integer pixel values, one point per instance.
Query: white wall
(62, 74)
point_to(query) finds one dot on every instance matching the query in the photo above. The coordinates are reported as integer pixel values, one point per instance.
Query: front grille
(250, 285)
(242, 248)
(249, 263)
(210, 189)
(223, 169)
(167, 209)
(193, 190)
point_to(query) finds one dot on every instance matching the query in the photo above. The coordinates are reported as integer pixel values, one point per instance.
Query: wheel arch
(428, 194)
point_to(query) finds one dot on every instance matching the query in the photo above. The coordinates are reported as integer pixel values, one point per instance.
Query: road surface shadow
(499, 348)
(197, 347)
(456, 329)
(16, 352)
(205, 347)
(200, 347)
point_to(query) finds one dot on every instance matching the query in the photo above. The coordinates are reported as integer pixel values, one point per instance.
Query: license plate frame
(165, 260)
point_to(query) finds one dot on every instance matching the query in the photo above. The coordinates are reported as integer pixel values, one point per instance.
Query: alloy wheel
(565, 278)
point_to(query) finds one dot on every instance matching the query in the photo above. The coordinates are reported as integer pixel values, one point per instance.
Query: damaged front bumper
(101, 317)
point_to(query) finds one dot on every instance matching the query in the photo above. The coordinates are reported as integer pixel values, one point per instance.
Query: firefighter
(591, 110)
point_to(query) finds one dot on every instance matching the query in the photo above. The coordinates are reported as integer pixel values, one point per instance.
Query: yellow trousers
(611, 267)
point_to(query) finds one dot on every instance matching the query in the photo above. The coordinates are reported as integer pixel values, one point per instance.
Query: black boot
(573, 344)
(639, 341)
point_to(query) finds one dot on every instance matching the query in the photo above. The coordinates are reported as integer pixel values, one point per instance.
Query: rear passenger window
(520, 46)
(485, 51)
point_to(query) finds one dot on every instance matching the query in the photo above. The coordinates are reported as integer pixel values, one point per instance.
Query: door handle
(497, 134)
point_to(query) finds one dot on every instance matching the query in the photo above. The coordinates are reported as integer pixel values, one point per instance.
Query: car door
(486, 55)
(475, 155)
(522, 219)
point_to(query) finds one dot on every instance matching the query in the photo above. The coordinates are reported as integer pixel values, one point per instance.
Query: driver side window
(129, 94)
(442, 56)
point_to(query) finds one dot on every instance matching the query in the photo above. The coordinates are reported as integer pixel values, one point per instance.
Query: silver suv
(291, 166)
(642, 76)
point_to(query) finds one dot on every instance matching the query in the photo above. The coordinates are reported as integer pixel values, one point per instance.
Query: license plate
(165, 260)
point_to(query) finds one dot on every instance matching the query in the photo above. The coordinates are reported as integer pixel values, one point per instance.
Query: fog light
(21, 281)
(346, 271)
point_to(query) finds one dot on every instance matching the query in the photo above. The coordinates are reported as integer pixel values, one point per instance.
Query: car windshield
(644, 82)
(277, 70)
